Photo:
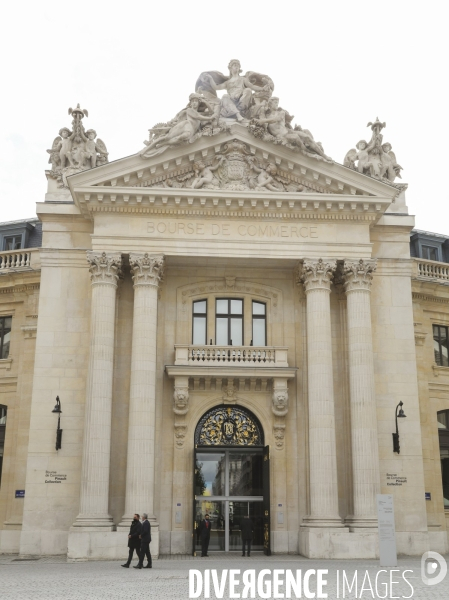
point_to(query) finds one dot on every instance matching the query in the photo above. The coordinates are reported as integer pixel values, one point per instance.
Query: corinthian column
(317, 276)
(365, 455)
(94, 511)
(147, 274)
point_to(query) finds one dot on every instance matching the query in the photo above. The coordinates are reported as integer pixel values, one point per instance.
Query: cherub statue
(364, 163)
(390, 167)
(239, 96)
(61, 149)
(264, 179)
(183, 128)
(204, 175)
(277, 127)
(92, 147)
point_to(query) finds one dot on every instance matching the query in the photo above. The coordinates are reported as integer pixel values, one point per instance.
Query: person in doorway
(134, 539)
(145, 539)
(205, 527)
(246, 527)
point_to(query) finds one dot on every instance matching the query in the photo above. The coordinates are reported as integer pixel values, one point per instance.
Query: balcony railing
(244, 356)
(431, 270)
(14, 260)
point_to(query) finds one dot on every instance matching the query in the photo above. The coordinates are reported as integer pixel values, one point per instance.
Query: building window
(443, 431)
(440, 345)
(259, 324)
(5, 336)
(12, 242)
(229, 322)
(429, 253)
(200, 322)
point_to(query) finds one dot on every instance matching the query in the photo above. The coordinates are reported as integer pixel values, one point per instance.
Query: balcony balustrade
(237, 356)
(23, 260)
(431, 270)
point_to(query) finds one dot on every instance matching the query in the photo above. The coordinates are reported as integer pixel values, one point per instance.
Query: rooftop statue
(247, 100)
(374, 158)
(75, 150)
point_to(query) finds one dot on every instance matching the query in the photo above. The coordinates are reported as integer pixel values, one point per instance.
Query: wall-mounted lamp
(399, 415)
(57, 409)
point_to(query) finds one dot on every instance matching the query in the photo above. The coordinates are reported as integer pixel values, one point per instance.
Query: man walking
(134, 539)
(246, 527)
(145, 539)
(205, 527)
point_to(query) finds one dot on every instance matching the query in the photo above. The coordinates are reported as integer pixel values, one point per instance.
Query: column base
(332, 543)
(125, 523)
(97, 522)
(327, 522)
(361, 523)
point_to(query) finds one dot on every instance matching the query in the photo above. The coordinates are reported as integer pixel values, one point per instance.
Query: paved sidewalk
(53, 578)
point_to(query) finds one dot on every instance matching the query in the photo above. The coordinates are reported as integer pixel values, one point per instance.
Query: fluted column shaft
(365, 454)
(147, 275)
(316, 277)
(94, 498)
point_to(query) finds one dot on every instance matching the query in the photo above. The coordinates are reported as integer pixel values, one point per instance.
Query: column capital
(358, 275)
(105, 267)
(317, 274)
(147, 269)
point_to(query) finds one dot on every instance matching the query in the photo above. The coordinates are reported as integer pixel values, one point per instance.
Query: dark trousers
(246, 543)
(204, 545)
(130, 555)
(145, 551)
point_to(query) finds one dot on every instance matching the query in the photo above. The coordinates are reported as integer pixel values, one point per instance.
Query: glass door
(228, 486)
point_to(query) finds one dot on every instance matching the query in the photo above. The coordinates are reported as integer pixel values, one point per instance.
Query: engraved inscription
(211, 229)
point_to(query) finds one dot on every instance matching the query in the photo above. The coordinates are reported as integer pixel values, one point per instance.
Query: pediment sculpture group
(248, 100)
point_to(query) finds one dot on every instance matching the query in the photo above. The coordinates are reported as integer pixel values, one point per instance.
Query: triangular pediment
(234, 169)
(175, 169)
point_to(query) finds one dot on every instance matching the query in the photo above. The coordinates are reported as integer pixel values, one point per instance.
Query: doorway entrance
(231, 480)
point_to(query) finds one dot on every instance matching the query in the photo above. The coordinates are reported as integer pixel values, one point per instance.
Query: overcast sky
(335, 65)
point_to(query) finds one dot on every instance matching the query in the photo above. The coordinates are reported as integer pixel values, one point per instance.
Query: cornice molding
(429, 298)
(230, 203)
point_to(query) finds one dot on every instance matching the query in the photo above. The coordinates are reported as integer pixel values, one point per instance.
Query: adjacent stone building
(230, 320)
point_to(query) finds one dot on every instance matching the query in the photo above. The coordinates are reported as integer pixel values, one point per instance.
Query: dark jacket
(204, 530)
(146, 531)
(134, 532)
(246, 527)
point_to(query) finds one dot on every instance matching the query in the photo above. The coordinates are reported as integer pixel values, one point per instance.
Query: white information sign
(387, 534)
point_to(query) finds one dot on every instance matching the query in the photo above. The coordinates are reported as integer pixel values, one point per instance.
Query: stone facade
(103, 318)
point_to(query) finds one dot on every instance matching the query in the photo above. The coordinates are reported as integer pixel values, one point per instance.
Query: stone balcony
(227, 362)
(19, 260)
(431, 271)
(237, 356)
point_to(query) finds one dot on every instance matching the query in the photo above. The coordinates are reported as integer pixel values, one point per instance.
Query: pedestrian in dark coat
(145, 539)
(205, 527)
(246, 527)
(134, 539)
